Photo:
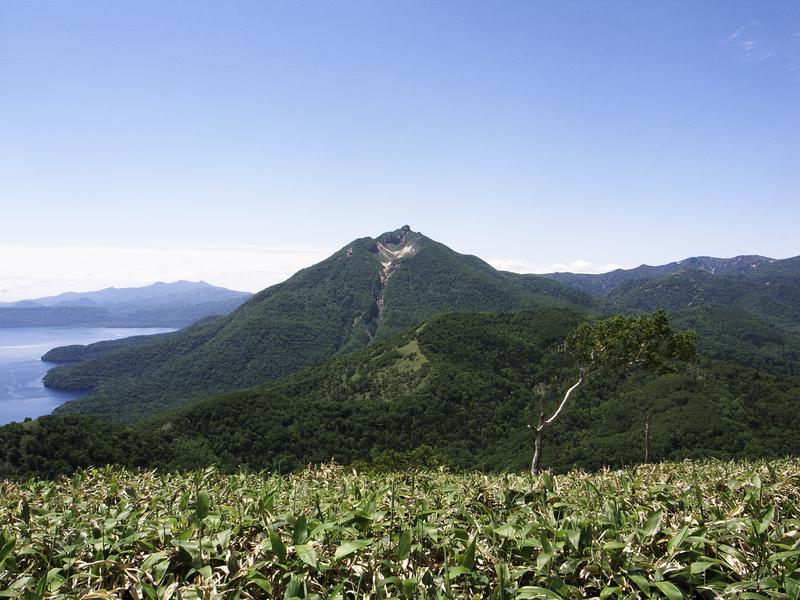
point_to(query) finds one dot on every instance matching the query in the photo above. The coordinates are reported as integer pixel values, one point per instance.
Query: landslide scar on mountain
(391, 248)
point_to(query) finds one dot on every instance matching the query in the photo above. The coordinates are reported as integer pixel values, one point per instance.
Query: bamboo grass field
(708, 529)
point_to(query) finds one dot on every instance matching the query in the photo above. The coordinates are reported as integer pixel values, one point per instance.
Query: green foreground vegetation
(679, 530)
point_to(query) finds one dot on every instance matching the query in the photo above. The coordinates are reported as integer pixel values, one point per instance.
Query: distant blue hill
(161, 304)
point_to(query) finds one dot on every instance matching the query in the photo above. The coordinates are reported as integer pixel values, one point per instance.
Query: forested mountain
(368, 290)
(737, 336)
(772, 293)
(460, 383)
(463, 385)
(604, 283)
(735, 304)
(158, 305)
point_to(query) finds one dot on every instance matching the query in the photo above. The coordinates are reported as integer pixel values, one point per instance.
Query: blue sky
(149, 140)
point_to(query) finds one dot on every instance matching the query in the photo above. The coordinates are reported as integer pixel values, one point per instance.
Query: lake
(22, 393)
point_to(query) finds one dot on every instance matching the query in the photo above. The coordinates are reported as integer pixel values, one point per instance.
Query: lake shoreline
(22, 367)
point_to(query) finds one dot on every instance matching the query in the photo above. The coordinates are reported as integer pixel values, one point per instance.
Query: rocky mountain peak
(394, 245)
(395, 238)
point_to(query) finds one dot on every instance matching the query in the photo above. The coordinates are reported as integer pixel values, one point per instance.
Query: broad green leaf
(506, 531)
(337, 593)
(641, 583)
(574, 537)
(403, 545)
(6, 546)
(700, 566)
(300, 534)
(779, 556)
(769, 583)
(532, 591)
(205, 571)
(307, 554)
(653, 523)
(349, 548)
(191, 548)
(149, 591)
(223, 539)
(468, 560)
(669, 590)
(151, 560)
(545, 555)
(278, 547)
(201, 506)
(390, 581)
(294, 588)
(258, 578)
(762, 524)
(454, 572)
(25, 512)
(54, 579)
(614, 545)
(792, 587)
(677, 539)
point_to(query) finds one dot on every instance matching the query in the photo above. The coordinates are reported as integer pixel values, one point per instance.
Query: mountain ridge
(604, 283)
(175, 304)
(195, 292)
(373, 288)
(367, 290)
(397, 341)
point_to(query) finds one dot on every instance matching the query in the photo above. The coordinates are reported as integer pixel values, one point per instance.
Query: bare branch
(561, 406)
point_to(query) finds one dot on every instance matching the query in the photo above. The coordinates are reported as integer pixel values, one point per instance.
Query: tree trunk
(647, 439)
(537, 436)
(537, 447)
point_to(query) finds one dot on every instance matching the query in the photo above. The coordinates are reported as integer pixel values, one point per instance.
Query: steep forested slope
(368, 290)
(460, 383)
(463, 384)
(735, 335)
(745, 309)
(767, 294)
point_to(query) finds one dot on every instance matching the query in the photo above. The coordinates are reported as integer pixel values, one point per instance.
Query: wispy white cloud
(583, 266)
(734, 37)
(576, 266)
(35, 271)
(755, 42)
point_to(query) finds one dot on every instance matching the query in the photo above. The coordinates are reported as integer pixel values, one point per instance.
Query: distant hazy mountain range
(605, 283)
(764, 287)
(158, 305)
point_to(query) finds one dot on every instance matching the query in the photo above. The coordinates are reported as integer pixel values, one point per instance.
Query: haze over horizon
(268, 266)
(146, 141)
